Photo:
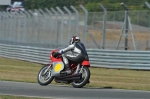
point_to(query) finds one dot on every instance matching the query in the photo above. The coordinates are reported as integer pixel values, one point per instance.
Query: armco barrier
(98, 57)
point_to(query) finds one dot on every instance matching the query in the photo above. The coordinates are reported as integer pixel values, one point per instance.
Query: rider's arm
(70, 47)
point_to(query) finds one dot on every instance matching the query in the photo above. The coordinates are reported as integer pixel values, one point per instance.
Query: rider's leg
(66, 62)
(73, 58)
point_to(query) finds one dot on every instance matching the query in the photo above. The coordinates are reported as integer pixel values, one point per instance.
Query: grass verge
(22, 71)
(17, 97)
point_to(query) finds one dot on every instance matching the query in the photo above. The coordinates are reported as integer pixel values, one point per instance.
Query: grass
(17, 97)
(122, 79)
(22, 71)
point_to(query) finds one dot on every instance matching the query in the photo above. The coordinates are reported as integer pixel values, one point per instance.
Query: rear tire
(84, 80)
(45, 78)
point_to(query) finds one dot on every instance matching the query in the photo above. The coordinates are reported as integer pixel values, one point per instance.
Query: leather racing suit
(75, 52)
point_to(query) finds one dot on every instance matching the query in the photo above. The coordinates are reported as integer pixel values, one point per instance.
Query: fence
(31, 35)
(51, 28)
(98, 58)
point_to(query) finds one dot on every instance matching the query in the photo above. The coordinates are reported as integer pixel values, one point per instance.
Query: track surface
(68, 92)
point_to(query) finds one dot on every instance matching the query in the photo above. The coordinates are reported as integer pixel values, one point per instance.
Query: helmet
(74, 39)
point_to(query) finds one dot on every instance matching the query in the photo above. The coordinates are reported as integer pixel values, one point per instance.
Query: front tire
(84, 80)
(44, 76)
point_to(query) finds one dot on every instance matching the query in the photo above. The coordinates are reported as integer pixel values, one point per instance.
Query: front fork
(47, 69)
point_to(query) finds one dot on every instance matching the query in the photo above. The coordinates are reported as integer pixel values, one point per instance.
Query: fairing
(53, 59)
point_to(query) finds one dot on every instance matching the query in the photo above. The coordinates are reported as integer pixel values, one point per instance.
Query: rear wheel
(84, 80)
(44, 76)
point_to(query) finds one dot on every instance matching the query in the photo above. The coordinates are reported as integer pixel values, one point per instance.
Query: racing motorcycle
(55, 71)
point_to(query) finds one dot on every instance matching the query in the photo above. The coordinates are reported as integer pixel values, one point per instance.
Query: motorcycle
(55, 71)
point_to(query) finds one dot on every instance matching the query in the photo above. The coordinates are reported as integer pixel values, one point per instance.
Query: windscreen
(17, 3)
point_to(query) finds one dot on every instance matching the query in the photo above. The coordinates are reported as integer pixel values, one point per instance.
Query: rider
(78, 54)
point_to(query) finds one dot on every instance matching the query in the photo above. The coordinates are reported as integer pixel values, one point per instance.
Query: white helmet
(74, 39)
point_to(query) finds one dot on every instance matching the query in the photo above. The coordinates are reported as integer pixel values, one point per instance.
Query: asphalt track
(68, 92)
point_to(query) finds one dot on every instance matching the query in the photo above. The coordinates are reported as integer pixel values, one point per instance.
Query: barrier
(98, 58)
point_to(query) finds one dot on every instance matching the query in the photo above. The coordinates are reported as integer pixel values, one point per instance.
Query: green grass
(22, 71)
(17, 97)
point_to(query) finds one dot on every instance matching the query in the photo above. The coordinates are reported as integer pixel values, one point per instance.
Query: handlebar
(56, 54)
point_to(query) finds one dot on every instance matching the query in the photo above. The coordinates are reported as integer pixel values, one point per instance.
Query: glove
(56, 54)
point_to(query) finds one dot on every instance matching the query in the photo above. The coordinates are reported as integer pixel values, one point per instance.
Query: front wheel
(84, 80)
(44, 76)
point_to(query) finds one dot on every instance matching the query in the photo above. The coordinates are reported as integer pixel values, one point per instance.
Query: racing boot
(68, 71)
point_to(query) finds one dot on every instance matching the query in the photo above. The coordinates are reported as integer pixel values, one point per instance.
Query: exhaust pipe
(70, 77)
(73, 78)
